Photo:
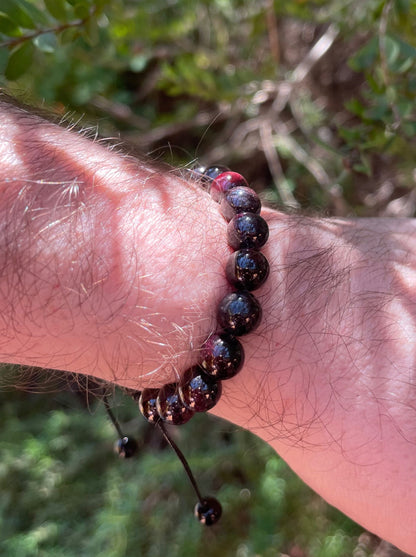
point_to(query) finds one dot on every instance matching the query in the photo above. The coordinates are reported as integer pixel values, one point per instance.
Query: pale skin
(113, 268)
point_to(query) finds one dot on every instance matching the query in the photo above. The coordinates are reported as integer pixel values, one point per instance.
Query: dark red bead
(170, 406)
(239, 313)
(240, 200)
(247, 269)
(199, 391)
(208, 511)
(147, 404)
(246, 230)
(126, 447)
(224, 182)
(222, 356)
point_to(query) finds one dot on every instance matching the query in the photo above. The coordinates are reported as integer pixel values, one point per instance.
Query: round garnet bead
(147, 405)
(126, 447)
(239, 313)
(222, 356)
(224, 182)
(240, 200)
(170, 406)
(199, 391)
(247, 230)
(208, 511)
(247, 269)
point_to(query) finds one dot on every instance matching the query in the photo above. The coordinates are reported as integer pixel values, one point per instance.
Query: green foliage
(64, 492)
(219, 80)
(165, 63)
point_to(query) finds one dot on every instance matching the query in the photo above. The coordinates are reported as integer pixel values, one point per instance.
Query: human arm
(113, 267)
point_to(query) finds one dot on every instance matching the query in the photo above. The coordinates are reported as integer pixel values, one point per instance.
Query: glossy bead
(222, 356)
(213, 171)
(240, 200)
(170, 407)
(199, 391)
(147, 405)
(224, 182)
(197, 173)
(247, 269)
(246, 230)
(208, 511)
(239, 313)
(126, 447)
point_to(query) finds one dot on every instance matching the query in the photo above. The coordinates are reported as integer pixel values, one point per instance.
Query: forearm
(113, 268)
(94, 280)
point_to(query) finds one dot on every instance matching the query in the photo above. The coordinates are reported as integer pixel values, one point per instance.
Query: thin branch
(38, 32)
(275, 167)
(383, 58)
(272, 31)
(301, 71)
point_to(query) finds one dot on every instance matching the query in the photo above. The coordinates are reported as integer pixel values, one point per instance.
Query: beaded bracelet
(239, 313)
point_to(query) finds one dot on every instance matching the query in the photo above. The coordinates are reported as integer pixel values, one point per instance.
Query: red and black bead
(222, 356)
(199, 391)
(170, 406)
(240, 200)
(224, 182)
(247, 269)
(239, 313)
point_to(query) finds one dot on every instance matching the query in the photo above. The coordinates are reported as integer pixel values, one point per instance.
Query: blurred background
(314, 103)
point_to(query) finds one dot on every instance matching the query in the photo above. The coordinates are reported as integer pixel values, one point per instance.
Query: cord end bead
(126, 447)
(208, 511)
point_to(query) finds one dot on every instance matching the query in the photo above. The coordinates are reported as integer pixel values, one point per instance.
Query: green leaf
(138, 63)
(38, 16)
(46, 42)
(404, 66)
(364, 166)
(8, 27)
(92, 30)
(365, 57)
(57, 9)
(82, 10)
(391, 50)
(17, 14)
(68, 36)
(355, 106)
(402, 6)
(20, 60)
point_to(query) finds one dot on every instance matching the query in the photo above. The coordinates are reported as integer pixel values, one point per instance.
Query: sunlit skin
(112, 267)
